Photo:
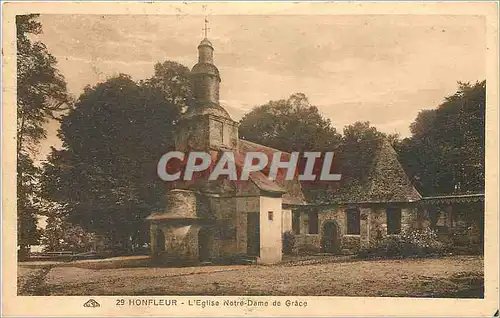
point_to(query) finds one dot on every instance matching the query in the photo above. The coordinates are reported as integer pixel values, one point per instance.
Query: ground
(453, 276)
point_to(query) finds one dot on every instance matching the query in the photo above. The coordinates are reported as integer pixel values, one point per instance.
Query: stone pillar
(407, 217)
(364, 233)
(304, 222)
(152, 237)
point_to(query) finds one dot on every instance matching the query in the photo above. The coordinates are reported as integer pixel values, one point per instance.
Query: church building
(205, 220)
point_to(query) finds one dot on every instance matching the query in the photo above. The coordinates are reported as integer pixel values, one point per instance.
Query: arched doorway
(160, 241)
(331, 240)
(205, 236)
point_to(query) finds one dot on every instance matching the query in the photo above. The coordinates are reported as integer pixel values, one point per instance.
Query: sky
(381, 68)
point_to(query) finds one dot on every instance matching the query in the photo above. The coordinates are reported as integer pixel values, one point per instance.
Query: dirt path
(30, 280)
(458, 276)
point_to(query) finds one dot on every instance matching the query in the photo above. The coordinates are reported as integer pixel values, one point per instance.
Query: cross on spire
(206, 28)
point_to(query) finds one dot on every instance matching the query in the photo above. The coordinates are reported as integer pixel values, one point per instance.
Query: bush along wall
(289, 246)
(409, 243)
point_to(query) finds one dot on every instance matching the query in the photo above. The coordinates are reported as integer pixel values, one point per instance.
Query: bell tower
(205, 77)
(206, 126)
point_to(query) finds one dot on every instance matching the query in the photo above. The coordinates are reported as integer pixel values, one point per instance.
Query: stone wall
(226, 229)
(181, 204)
(373, 223)
(178, 227)
(192, 134)
(304, 240)
(307, 241)
(223, 132)
(349, 243)
(230, 134)
(181, 242)
(204, 132)
(186, 214)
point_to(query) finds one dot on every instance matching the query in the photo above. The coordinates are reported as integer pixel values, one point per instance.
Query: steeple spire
(205, 75)
(206, 28)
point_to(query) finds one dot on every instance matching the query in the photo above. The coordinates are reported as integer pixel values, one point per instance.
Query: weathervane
(206, 28)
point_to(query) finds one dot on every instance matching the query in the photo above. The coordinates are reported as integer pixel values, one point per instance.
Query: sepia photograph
(214, 154)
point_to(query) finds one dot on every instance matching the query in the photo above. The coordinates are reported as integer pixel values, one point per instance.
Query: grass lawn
(454, 276)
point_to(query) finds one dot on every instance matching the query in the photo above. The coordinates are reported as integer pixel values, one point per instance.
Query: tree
(41, 89)
(41, 93)
(105, 175)
(445, 154)
(291, 124)
(27, 175)
(172, 79)
(60, 234)
(361, 132)
(359, 142)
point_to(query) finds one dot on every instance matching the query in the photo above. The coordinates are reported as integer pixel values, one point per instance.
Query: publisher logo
(91, 303)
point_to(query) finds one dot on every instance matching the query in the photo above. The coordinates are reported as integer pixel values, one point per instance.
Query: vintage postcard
(250, 159)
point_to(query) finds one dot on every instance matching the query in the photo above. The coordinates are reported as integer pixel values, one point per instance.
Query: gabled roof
(291, 189)
(371, 172)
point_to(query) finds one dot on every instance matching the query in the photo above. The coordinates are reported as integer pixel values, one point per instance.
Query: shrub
(421, 241)
(410, 242)
(289, 247)
(308, 249)
(465, 239)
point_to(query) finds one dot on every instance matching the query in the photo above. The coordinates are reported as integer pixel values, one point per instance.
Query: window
(313, 222)
(296, 222)
(270, 215)
(393, 220)
(353, 225)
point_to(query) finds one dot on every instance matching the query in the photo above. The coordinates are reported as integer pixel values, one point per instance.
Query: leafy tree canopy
(105, 175)
(445, 154)
(41, 89)
(41, 93)
(291, 124)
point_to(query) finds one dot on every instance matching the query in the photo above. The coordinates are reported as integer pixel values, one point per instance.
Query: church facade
(202, 221)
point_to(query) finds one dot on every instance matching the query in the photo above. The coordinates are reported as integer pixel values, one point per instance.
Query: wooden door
(253, 234)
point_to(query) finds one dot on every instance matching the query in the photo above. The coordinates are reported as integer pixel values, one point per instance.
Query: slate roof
(290, 190)
(371, 172)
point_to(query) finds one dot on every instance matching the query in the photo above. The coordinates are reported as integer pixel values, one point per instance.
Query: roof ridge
(263, 146)
(386, 145)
